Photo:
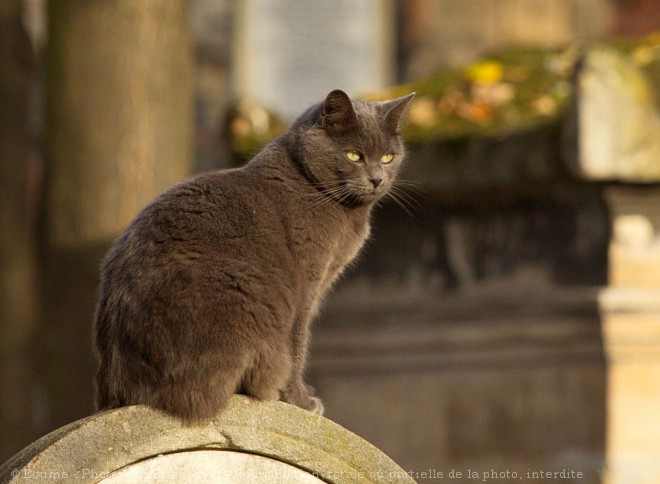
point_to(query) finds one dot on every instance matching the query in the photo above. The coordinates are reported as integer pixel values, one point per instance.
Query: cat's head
(351, 149)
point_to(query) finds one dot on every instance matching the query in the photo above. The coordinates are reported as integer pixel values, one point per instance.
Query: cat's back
(222, 203)
(219, 222)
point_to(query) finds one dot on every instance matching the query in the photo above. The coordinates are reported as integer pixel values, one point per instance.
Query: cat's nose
(375, 181)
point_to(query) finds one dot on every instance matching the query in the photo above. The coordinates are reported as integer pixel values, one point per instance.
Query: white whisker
(404, 200)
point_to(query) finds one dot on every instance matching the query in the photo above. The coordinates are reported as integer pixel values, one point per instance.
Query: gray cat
(211, 290)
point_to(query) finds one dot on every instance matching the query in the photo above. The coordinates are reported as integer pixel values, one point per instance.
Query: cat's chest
(350, 241)
(329, 249)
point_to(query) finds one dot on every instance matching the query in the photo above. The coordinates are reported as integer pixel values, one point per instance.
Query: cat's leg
(268, 374)
(297, 392)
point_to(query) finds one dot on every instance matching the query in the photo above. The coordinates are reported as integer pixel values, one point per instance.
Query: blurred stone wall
(443, 33)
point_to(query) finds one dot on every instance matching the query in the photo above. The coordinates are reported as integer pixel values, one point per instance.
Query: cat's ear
(394, 111)
(338, 114)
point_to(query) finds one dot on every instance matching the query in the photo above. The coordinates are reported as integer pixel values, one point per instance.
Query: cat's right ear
(338, 115)
(395, 111)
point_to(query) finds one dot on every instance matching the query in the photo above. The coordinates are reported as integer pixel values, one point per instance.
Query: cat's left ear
(394, 111)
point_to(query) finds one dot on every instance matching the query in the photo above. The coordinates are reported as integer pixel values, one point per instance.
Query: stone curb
(92, 448)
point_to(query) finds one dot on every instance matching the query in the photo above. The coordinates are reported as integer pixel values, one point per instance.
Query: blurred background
(506, 314)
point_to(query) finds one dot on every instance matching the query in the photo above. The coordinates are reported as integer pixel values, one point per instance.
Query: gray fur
(211, 290)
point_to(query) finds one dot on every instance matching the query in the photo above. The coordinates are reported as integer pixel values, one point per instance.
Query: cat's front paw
(302, 396)
(316, 405)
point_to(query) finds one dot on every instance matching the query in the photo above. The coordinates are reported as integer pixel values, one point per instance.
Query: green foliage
(511, 90)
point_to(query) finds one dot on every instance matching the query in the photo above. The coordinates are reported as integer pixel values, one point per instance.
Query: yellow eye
(353, 155)
(386, 158)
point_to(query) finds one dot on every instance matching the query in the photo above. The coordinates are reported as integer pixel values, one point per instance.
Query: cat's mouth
(369, 194)
(356, 193)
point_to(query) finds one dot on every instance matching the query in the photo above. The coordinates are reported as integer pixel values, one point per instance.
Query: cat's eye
(386, 158)
(354, 155)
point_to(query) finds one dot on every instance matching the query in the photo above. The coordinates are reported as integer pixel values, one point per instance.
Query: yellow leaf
(485, 72)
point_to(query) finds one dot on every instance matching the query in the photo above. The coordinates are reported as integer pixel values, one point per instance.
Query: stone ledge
(95, 448)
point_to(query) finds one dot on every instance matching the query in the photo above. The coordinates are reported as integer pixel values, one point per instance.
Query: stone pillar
(631, 332)
(619, 119)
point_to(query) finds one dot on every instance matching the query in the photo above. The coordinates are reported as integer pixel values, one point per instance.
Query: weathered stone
(618, 119)
(288, 57)
(446, 33)
(306, 445)
(634, 258)
(526, 156)
(202, 466)
(630, 309)
(632, 341)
